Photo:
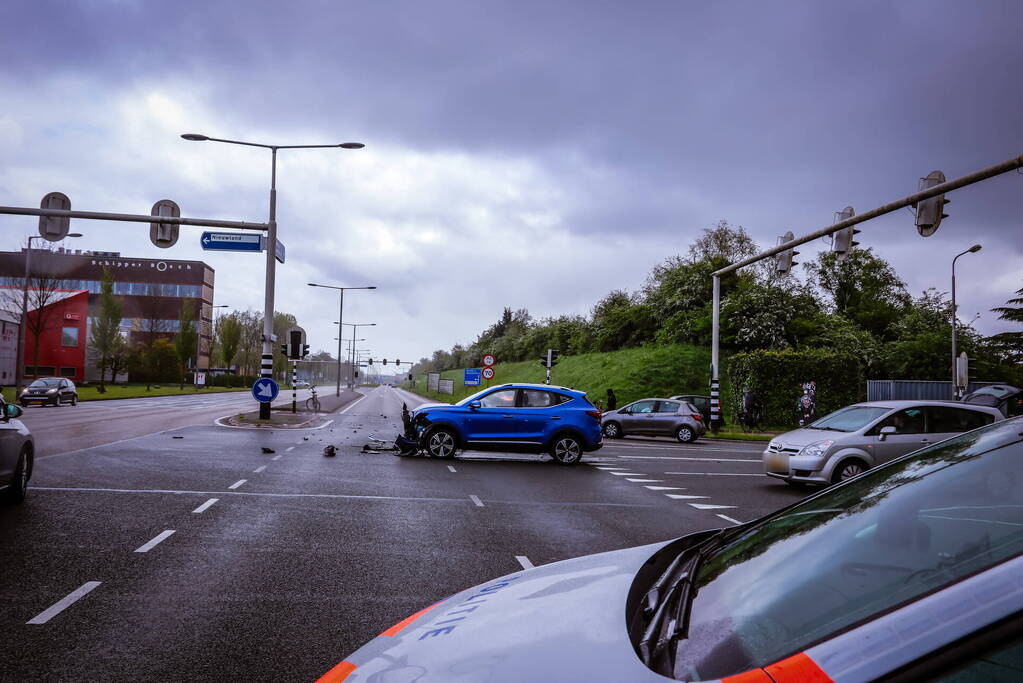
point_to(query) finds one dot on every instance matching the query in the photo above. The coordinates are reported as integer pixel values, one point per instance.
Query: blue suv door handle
(555, 417)
(508, 417)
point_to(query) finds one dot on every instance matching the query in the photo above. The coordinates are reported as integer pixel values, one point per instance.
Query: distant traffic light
(784, 260)
(397, 362)
(385, 361)
(929, 212)
(371, 361)
(842, 242)
(305, 350)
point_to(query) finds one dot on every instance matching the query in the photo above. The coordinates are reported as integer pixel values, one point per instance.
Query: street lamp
(956, 393)
(354, 327)
(266, 363)
(213, 335)
(340, 316)
(19, 374)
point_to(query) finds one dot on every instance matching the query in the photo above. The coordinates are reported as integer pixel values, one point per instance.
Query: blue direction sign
(231, 241)
(265, 390)
(472, 377)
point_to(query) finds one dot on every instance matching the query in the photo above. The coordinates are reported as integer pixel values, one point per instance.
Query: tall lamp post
(19, 365)
(956, 392)
(213, 334)
(267, 361)
(340, 317)
(354, 327)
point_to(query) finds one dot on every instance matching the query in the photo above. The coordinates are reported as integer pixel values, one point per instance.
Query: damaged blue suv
(532, 418)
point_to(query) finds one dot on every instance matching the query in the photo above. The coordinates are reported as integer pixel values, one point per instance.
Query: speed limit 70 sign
(488, 373)
(489, 360)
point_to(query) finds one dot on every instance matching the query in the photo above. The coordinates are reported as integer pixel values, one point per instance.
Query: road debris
(268, 450)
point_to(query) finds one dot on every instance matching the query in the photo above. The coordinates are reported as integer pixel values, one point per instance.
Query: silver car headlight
(816, 450)
(774, 446)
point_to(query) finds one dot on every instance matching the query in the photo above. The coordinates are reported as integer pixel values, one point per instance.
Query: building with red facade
(152, 293)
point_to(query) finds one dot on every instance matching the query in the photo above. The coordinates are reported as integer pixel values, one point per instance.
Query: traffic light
(305, 350)
(397, 362)
(410, 377)
(842, 242)
(284, 349)
(929, 212)
(784, 260)
(371, 361)
(385, 361)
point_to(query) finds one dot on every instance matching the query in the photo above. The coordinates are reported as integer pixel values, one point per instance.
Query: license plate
(778, 463)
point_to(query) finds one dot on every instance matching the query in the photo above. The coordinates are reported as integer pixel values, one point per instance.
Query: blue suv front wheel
(441, 442)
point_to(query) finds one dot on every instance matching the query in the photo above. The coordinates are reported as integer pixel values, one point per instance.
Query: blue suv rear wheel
(566, 449)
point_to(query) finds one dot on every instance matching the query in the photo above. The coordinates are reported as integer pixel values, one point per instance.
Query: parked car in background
(655, 417)
(302, 384)
(17, 449)
(909, 572)
(698, 401)
(49, 391)
(1009, 400)
(858, 437)
(510, 417)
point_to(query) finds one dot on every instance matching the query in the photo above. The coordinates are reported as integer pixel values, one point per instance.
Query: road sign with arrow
(231, 241)
(265, 390)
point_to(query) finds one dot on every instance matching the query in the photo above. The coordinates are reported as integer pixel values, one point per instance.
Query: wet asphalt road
(301, 558)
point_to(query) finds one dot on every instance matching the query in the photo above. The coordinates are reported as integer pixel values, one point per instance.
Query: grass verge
(90, 392)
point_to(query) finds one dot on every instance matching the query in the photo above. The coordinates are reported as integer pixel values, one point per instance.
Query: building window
(67, 372)
(69, 336)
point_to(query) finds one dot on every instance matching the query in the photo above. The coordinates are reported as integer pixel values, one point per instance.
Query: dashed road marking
(259, 469)
(62, 604)
(668, 457)
(288, 450)
(205, 506)
(524, 561)
(155, 541)
(677, 496)
(719, 474)
(627, 474)
(451, 468)
(476, 500)
(708, 506)
(729, 519)
(237, 483)
(610, 468)
(645, 481)
(665, 488)
(278, 456)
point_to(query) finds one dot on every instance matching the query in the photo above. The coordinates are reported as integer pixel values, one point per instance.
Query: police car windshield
(884, 539)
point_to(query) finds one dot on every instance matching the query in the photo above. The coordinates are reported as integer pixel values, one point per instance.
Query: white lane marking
(729, 519)
(205, 506)
(677, 496)
(668, 457)
(627, 474)
(350, 405)
(237, 484)
(326, 424)
(452, 469)
(259, 469)
(665, 488)
(708, 506)
(645, 481)
(524, 561)
(720, 474)
(476, 500)
(155, 541)
(65, 602)
(669, 447)
(278, 456)
(609, 468)
(288, 450)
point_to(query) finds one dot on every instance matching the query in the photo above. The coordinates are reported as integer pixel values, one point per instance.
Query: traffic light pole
(940, 189)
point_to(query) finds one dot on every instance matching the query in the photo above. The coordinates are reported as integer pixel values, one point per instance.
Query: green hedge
(777, 378)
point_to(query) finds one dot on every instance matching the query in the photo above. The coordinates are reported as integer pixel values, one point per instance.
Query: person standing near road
(612, 401)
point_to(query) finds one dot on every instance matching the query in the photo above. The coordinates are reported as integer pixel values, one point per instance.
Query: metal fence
(915, 390)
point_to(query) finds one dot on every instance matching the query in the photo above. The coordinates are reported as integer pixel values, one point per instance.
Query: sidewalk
(281, 416)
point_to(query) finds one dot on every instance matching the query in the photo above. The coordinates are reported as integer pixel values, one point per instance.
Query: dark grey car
(655, 417)
(49, 391)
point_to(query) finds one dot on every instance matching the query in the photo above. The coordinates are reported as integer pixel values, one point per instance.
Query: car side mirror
(11, 410)
(475, 405)
(885, 431)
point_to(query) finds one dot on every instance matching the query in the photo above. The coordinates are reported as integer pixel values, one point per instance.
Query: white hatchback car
(852, 440)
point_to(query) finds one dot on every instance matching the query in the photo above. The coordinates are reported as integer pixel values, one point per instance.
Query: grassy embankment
(632, 373)
(90, 392)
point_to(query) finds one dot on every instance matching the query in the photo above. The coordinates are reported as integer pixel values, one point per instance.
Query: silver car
(655, 417)
(16, 454)
(852, 440)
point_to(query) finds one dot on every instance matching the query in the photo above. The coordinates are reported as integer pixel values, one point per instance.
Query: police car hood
(562, 621)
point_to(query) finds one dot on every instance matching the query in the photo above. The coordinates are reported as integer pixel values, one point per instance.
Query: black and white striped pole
(294, 390)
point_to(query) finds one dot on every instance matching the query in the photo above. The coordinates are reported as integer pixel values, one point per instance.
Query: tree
(45, 285)
(187, 339)
(105, 328)
(864, 288)
(1010, 344)
(230, 332)
(621, 321)
(118, 358)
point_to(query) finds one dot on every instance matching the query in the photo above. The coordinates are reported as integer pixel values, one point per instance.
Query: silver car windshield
(849, 419)
(842, 558)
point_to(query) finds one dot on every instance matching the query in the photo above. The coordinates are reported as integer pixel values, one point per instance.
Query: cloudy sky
(525, 154)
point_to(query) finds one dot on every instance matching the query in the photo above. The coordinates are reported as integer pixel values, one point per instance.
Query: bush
(777, 378)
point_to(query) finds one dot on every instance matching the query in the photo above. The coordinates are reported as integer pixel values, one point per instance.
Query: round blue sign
(265, 390)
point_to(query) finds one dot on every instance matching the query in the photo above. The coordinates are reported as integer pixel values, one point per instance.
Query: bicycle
(312, 404)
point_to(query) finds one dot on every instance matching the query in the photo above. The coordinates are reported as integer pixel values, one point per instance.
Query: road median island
(281, 416)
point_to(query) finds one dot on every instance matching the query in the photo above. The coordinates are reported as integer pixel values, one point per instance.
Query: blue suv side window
(537, 398)
(499, 399)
